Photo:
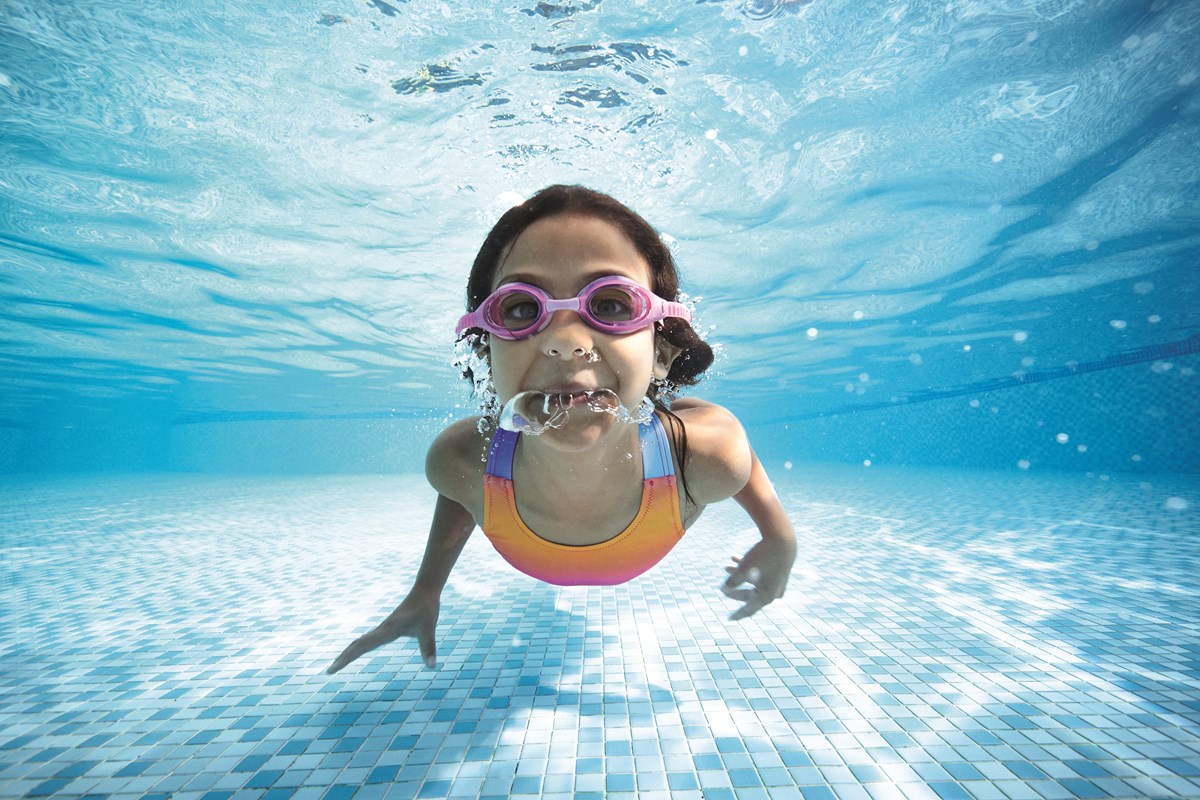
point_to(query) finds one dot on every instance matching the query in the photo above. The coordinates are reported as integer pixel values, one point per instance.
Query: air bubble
(710, 134)
(1118, 324)
(534, 413)
(1176, 504)
(471, 363)
(1023, 464)
(787, 465)
(812, 333)
(1020, 336)
(997, 158)
(1062, 438)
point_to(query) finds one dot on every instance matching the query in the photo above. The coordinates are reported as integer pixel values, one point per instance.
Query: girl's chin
(581, 420)
(582, 428)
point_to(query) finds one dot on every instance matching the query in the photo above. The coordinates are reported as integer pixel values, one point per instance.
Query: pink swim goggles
(612, 304)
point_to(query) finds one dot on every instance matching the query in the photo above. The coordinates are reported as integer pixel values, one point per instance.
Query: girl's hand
(765, 567)
(416, 617)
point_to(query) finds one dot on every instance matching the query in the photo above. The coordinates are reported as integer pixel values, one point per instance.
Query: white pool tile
(944, 635)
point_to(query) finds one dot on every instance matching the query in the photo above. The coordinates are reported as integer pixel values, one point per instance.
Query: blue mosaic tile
(1014, 639)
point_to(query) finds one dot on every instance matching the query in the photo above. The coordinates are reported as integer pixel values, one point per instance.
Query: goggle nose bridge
(550, 305)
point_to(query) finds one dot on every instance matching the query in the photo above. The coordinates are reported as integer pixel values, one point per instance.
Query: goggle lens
(614, 304)
(516, 311)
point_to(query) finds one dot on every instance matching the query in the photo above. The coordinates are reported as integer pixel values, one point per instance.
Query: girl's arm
(455, 471)
(417, 614)
(722, 464)
(767, 565)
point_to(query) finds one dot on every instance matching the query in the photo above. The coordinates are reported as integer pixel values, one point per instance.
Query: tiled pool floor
(949, 635)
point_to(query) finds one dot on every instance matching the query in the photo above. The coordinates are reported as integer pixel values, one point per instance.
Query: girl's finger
(349, 654)
(737, 577)
(747, 610)
(428, 646)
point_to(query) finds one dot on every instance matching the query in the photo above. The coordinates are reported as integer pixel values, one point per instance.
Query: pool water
(946, 253)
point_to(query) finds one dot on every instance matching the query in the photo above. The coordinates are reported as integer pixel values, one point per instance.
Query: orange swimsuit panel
(656, 528)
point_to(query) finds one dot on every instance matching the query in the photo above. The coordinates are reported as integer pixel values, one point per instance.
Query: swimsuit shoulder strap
(656, 449)
(501, 452)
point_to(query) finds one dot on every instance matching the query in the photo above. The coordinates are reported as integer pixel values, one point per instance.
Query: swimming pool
(946, 252)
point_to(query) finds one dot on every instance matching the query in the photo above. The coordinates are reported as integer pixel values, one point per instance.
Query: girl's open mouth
(535, 412)
(568, 399)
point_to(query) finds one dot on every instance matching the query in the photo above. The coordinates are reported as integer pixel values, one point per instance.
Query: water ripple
(208, 189)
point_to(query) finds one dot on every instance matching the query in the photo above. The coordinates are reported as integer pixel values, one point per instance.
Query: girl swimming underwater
(572, 298)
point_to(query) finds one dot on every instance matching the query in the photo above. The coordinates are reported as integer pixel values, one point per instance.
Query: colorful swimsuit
(653, 532)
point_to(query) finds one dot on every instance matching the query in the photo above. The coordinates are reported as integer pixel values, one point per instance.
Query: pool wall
(1136, 418)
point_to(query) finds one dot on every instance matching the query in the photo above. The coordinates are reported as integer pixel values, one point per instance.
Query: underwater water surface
(264, 214)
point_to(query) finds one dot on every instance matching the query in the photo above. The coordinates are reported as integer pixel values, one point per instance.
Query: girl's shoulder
(719, 458)
(457, 460)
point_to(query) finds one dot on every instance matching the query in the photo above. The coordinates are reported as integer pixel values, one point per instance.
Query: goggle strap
(672, 309)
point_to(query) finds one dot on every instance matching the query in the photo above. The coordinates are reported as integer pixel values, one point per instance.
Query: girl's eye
(612, 304)
(519, 311)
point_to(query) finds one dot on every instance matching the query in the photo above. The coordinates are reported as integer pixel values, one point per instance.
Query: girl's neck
(581, 469)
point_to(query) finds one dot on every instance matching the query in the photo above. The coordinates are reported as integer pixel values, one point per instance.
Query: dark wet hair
(695, 355)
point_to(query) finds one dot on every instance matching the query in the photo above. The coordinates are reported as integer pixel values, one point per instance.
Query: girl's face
(561, 255)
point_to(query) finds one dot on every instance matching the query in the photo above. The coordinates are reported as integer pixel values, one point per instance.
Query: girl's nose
(567, 336)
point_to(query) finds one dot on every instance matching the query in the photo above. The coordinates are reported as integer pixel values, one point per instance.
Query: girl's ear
(665, 354)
